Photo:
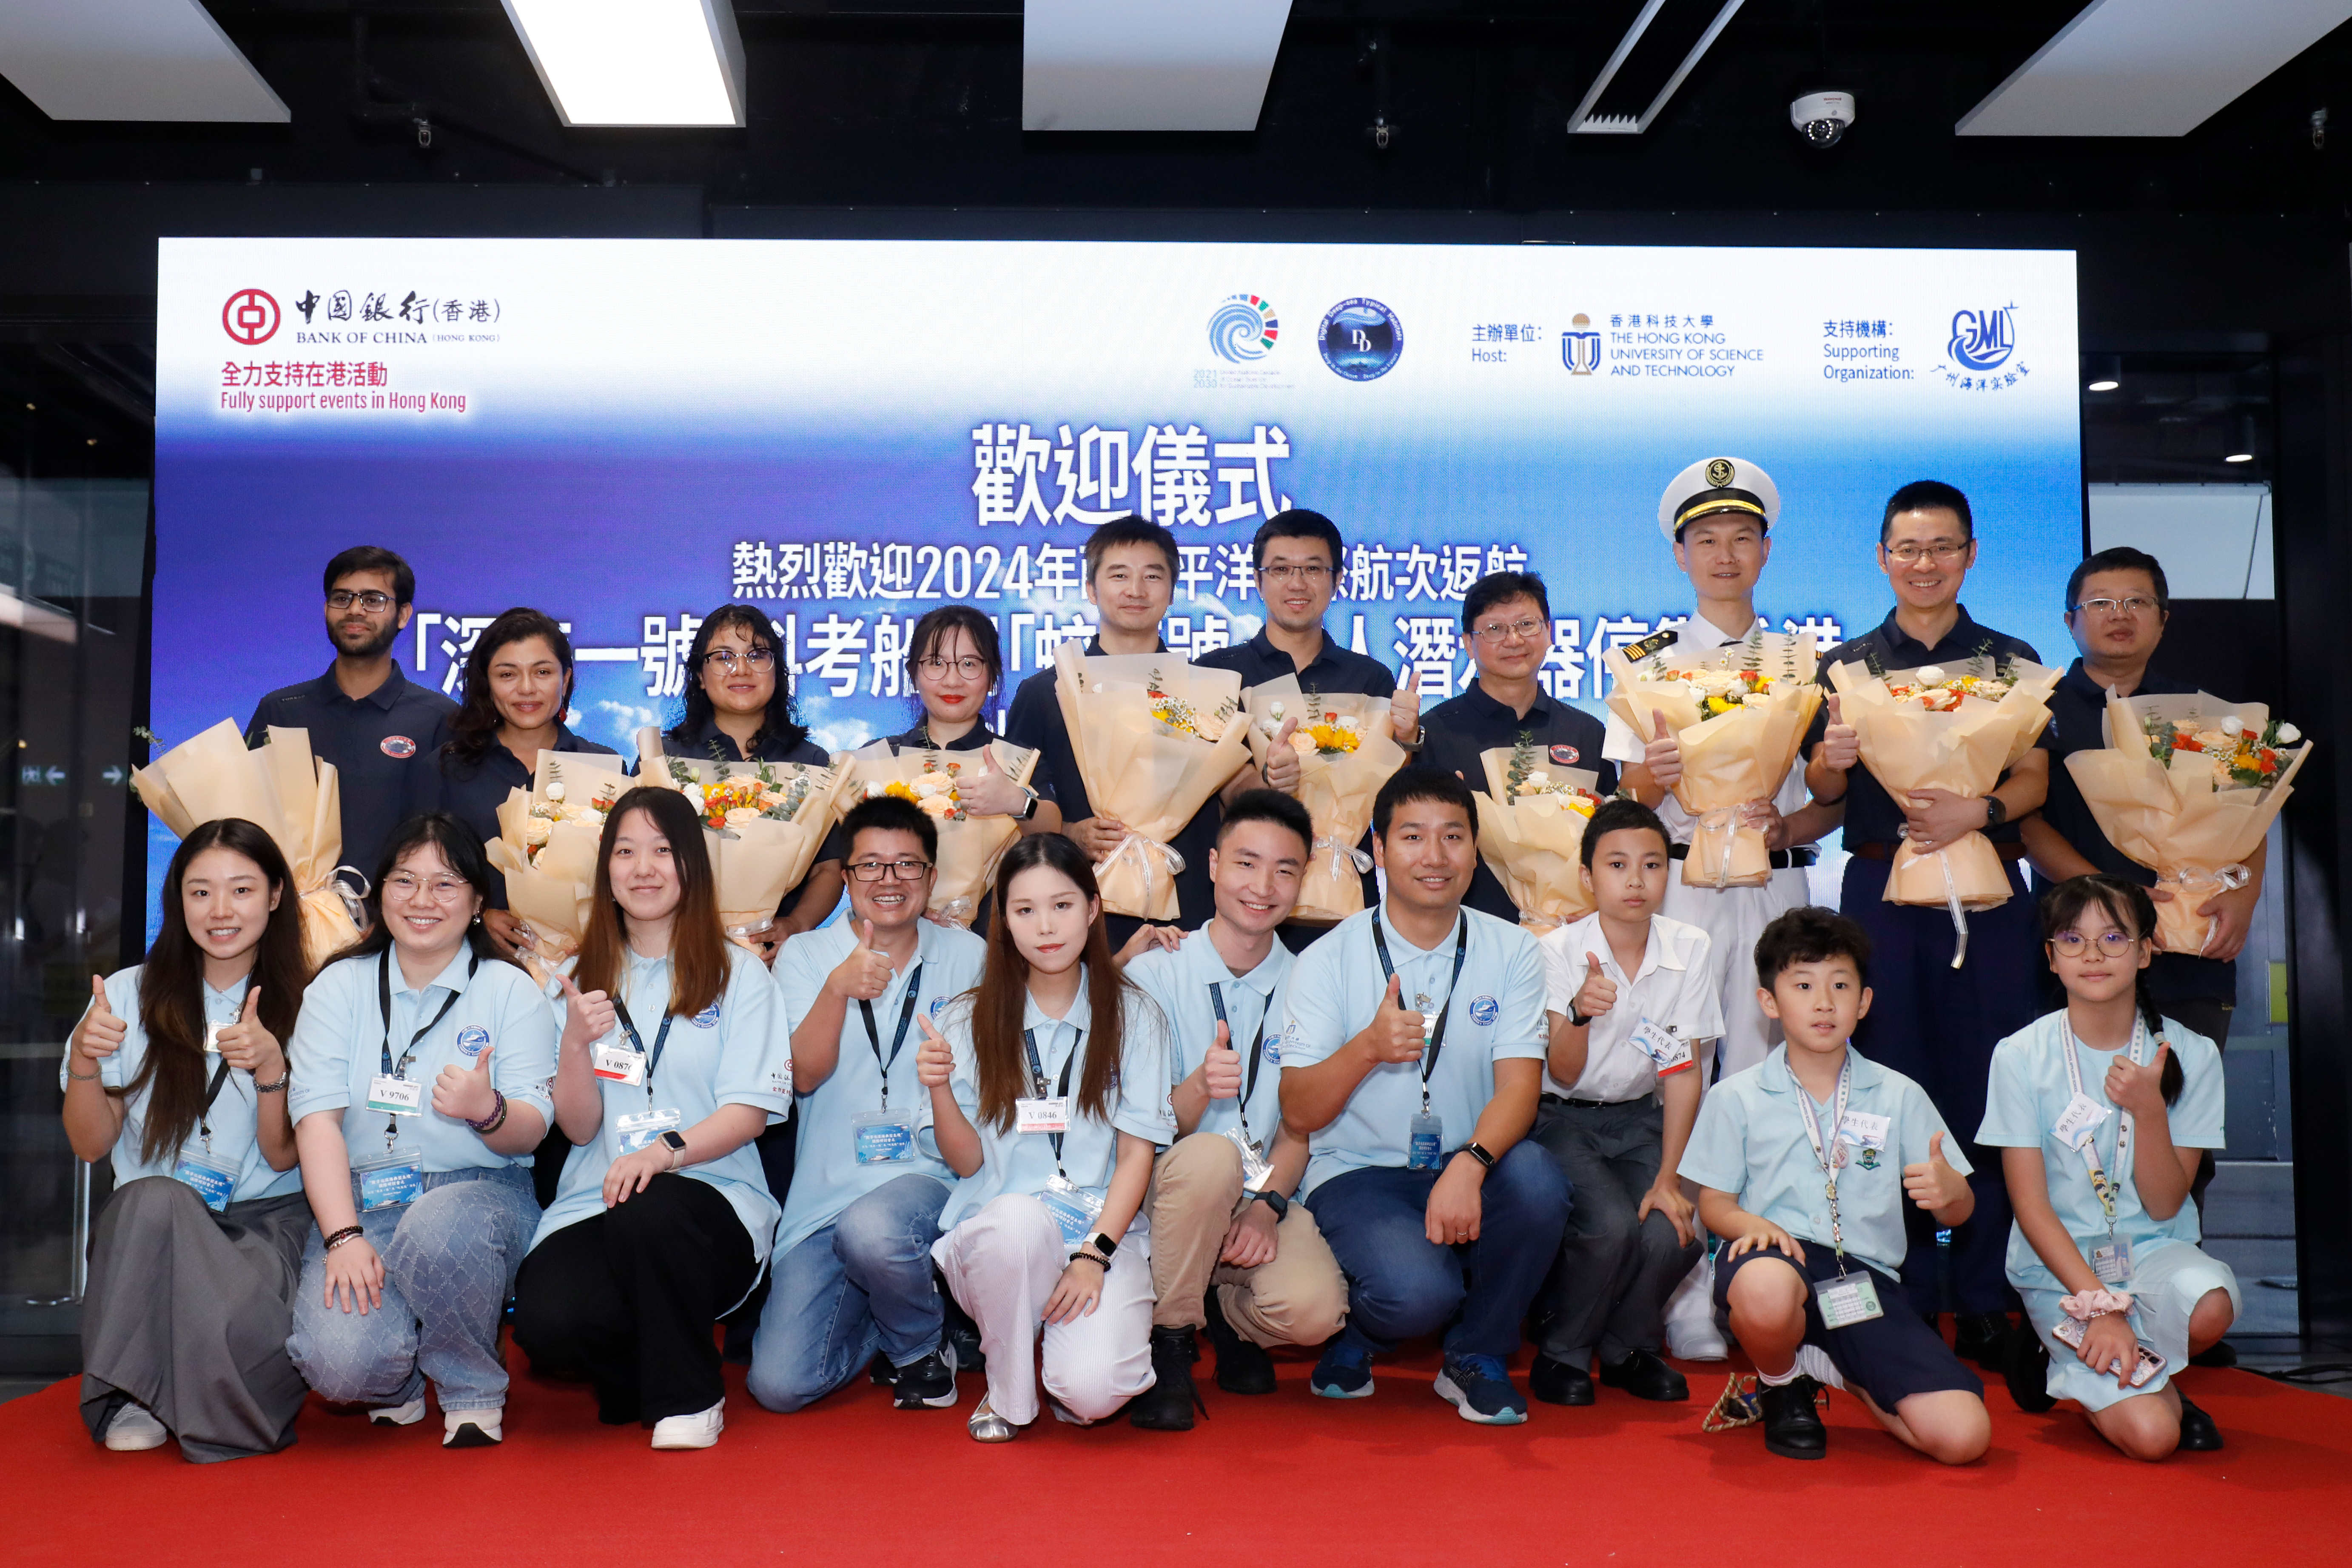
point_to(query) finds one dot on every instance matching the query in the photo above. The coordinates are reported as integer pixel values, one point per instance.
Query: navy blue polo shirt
(379, 743)
(1871, 815)
(712, 744)
(2078, 710)
(473, 790)
(1456, 731)
(1338, 670)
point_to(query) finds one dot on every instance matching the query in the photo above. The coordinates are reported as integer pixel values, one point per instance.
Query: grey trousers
(187, 1313)
(1608, 1291)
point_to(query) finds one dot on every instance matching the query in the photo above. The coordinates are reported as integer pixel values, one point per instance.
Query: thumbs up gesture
(1664, 756)
(1404, 708)
(588, 1016)
(248, 1046)
(1396, 1032)
(1221, 1070)
(990, 792)
(2138, 1089)
(934, 1058)
(466, 1094)
(1282, 762)
(1933, 1183)
(100, 1034)
(1841, 746)
(865, 974)
(1598, 994)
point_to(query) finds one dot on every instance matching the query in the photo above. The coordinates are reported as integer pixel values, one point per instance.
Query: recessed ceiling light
(635, 62)
(2239, 457)
(2103, 386)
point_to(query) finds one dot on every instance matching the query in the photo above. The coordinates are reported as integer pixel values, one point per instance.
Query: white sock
(1779, 1379)
(1815, 1363)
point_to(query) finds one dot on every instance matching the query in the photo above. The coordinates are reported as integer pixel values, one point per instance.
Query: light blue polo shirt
(1337, 985)
(1014, 1162)
(1181, 983)
(826, 1176)
(2029, 1092)
(233, 1118)
(1750, 1141)
(336, 1050)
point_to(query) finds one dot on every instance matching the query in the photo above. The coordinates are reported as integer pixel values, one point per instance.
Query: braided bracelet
(349, 1232)
(495, 1119)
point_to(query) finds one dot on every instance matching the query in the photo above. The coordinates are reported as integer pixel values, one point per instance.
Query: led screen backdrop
(628, 433)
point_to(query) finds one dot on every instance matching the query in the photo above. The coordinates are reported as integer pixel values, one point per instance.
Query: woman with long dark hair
(178, 1072)
(673, 1058)
(955, 665)
(1048, 1094)
(420, 1090)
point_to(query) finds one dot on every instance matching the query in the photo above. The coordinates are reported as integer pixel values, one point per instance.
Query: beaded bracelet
(495, 1119)
(349, 1232)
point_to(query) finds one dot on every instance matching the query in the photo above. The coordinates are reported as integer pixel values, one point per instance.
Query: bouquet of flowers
(969, 847)
(549, 836)
(281, 789)
(1740, 714)
(1345, 754)
(1954, 729)
(2188, 787)
(764, 824)
(1531, 822)
(1154, 739)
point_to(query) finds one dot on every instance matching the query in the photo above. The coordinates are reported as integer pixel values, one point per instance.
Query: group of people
(1064, 1147)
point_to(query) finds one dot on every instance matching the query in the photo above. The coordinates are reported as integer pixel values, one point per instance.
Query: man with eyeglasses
(1507, 627)
(1935, 1023)
(363, 716)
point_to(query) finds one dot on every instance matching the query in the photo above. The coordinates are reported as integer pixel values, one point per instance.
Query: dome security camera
(1821, 117)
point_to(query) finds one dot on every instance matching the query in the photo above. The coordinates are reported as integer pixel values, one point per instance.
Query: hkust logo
(1579, 346)
(1981, 351)
(1361, 339)
(1243, 329)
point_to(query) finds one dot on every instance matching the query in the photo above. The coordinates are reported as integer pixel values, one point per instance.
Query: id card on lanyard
(2078, 1125)
(215, 1179)
(1425, 1139)
(1256, 1168)
(1851, 1298)
(391, 1090)
(887, 1137)
(1040, 1111)
(640, 1128)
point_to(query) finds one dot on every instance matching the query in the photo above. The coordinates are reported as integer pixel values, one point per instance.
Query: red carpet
(1396, 1479)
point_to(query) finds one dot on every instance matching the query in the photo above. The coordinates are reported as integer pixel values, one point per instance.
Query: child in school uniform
(1804, 1163)
(2102, 1111)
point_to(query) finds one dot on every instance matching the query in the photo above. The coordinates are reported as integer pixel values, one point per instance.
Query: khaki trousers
(1299, 1299)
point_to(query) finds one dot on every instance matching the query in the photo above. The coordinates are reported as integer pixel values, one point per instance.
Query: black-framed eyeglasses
(2114, 943)
(726, 659)
(971, 666)
(897, 870)
(2135, 605)
(1314, 574)
(372, 602)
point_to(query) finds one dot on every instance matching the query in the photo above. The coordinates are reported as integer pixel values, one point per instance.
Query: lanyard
(1037, 1084)
(1437, 1036)
(898, 1040)
(384, 1002)
(205, 1116)
(2104, 1186)
(1257, 1053)
(1824, 1156)
(661, 1038)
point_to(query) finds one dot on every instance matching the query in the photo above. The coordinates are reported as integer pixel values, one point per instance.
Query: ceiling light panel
(635, 62)
(130, 59)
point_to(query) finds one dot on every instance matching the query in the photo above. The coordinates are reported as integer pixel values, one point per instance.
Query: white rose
(1929, 674)
(1274, 711)
(1538, 777)
(692, 791)
(2288, 734)
(2232, 725)
(1348, 721)
(555, 789)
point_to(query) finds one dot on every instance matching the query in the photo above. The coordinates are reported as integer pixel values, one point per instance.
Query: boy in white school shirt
(1631, 997)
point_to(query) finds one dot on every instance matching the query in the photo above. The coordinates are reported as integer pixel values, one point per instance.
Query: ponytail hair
(2128, 905)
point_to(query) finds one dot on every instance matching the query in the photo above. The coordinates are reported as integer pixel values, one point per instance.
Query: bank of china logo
(1579, 348)
(1243, 329)
(1361, 339)
(250, 317)
(1983, 340)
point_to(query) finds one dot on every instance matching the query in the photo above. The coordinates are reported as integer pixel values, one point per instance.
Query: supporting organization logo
(1580, 347)
(1243, 329)
(250, 317)
(1983, 340)
(1361, 339)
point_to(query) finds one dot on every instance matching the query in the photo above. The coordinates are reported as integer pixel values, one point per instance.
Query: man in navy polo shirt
(363, 716)
(1934, 1024)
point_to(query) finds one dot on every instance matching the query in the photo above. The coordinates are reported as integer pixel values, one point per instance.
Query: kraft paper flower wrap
(969, 847)
(546, 850)
(281, 788)
(1345, 754)
(2187, 786)
(1740, 714)
(1154, 738)
(1531, 822)
(1959, 730)
(764, 824)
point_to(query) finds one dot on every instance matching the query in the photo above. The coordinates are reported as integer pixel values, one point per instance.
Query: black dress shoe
(1243, 1366)
(2027, 1373)
(2198, 1433)
(1792, 1427)
(1983, 1338)
(1645, 1376)
(1559, 1382)
(1167, 1405)
(2220, 1352)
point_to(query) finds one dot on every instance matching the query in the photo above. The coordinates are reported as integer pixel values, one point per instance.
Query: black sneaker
(2027, 1373)
(1792, 1427)
(2220, 1352)
(1167, 1405)
(927, 1384)
(1243, 1366)
(1644, 1375)
(2198, 1433)
(881, 1372)
(1560, 1382)
(964, 1340)
(1983, 1338)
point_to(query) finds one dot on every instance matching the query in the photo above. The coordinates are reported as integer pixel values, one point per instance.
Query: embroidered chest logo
(397, 746)
(473, 1040)
(1483, 1011)
(1567, 757)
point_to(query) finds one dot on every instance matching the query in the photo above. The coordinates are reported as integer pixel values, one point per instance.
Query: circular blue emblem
(1243, 329)
(707, 1018)
(473, 1040)
(1361, 339)
(938, 1002)
(1484, 1009)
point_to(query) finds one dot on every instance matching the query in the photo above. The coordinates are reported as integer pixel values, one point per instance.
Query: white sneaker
(134, 1430)
(407, 1415)
(1691, 1333)
(472, 1429)
(699, 1430)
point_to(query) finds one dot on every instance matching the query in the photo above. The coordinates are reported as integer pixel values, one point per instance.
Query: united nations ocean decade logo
(1243, 329)
(1361, 339)
(1580, 349)
(1983, 340)
(250, 317)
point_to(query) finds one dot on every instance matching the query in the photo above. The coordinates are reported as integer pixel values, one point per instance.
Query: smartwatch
(1029, 812)
(1103, 1244)
(1477, 1151)
(674, 1141)
(1995, 812)
(1276, 1202)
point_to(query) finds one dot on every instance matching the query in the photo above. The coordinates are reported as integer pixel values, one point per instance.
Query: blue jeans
(861, 1284)
(1401, 1285)
(449, 1262)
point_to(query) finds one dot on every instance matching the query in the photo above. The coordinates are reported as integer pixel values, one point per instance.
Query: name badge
(1663, 1047)
(395, 1096)
(1847, 1301)
(882, 1137)
(618, 1064)
(390, 1180)
(1255, 1167)
(1864, 1130)
(215, 1180)
(212, 1038)
(2079, 1119)
(1075, 1208)
(1050, 1115)
(2113, 1263)
(1424, 1148)
(642, 1127)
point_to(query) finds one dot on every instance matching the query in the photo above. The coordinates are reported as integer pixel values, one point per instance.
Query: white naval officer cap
(1718, 484)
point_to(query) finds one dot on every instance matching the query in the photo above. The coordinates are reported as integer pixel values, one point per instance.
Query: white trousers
(1733, 918)
(1002, 1264)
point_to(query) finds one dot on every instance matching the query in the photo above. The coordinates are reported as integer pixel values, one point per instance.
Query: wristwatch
(1103, 1244)
(674, 1141)
(1995, 812)
(1477, 1151)
(1276, 1202)
(1029, 811)
(1577, 1018)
